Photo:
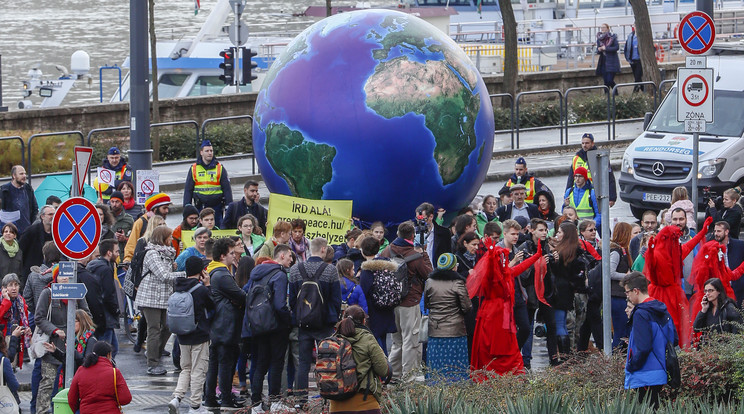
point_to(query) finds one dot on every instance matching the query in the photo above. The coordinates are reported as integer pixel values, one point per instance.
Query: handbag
(8, 403)
(424, 331)
(39, 338)
(116, 392)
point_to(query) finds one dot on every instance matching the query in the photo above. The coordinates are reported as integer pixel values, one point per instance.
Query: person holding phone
(718, 312)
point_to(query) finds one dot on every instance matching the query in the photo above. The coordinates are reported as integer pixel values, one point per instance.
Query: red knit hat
(157, 200)
(582, 172)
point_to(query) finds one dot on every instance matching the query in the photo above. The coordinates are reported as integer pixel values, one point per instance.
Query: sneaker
(238, 399)
(257, 409)
(156, 370)
(281, 407)
(137, 348)
(165, 353)
(199, 410)
(173, 405)
(230, 406)
(211, 403)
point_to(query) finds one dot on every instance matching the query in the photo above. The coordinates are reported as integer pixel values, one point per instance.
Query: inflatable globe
(378, 107)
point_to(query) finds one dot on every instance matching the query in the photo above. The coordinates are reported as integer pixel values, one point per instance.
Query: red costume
(495, 340)
(709, 263)
(663, 269)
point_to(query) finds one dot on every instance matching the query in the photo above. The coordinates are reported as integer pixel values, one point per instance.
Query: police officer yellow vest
(578, 162)
(529, 189)
(101, 187)
(584, 210)
(206, 182)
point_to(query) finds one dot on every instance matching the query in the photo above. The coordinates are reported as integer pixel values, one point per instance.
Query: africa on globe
(378, 107)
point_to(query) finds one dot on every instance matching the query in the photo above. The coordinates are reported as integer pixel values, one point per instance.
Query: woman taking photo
(446, 297)
(718, 313)
(156, 287)
(130, 205)
(371, 364)
(620, 264)
(98, 387)
(250, 234)
(11, 257)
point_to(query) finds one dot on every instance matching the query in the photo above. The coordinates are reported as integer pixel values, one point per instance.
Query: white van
(661, 157)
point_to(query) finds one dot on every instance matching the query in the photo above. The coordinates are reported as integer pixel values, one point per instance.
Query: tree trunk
(329, 10)
(511, 62)
(154, 135)
(646, 43)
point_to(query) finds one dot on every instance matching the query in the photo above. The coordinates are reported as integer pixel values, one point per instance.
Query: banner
(330, 219)
(187, 236)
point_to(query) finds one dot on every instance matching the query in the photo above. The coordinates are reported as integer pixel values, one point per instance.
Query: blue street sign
(696, 32)
(69, 290)
(76, 228)
(66, 269)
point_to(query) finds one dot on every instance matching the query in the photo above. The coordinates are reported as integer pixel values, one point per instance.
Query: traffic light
(228, 66)
(248, 66)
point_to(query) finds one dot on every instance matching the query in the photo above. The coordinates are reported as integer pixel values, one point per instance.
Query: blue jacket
(631, 48)
(352, 294)
(578, 193)
(278, 281)
(651, 328)
(188, 252)
(10, 379)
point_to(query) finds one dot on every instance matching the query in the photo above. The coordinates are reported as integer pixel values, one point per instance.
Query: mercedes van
(661, 157)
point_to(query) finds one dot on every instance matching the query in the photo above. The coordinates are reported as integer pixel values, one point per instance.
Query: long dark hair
(245, 266)
(100, 349)
(353, 315)
(569, 244)
(718, 285)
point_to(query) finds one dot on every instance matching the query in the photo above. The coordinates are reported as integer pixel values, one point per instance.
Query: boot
(564, 348)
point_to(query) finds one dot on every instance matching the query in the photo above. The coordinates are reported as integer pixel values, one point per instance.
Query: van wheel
(637, 211)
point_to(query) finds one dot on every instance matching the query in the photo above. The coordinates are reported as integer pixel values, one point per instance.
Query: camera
(421, 227)
(711, 195)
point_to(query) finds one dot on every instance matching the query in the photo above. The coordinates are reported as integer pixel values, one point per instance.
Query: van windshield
(728, 114)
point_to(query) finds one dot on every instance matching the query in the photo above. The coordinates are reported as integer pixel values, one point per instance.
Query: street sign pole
(71, 306)
(695, 160)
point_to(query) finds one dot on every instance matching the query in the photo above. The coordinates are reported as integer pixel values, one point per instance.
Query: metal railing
(549, 91)
(23, 147)
(176, 123)
(586, 88)
(625, 85)
(29, 173)
(229, 118)
(511, 111)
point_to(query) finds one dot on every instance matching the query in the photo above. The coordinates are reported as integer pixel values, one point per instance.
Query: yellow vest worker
(207, 183)
(114, 163)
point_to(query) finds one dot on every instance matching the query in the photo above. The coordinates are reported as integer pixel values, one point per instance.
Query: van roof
(727, 70)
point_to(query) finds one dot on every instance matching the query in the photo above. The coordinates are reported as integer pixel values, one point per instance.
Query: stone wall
(85, 118)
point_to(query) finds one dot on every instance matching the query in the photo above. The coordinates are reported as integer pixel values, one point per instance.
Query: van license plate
(658, 198)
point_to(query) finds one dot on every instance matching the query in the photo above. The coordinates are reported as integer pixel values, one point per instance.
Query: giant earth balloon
(378, 107)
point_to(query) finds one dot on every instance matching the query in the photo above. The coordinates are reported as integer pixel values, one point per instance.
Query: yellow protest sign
(187, 236)
(330, 219)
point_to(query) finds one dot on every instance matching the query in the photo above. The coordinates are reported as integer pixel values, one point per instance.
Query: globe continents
(378, 107)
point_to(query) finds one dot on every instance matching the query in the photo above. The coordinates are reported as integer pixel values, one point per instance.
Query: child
(351, 292)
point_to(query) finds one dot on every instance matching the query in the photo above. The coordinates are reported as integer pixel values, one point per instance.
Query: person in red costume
(663, 270)
(709, 263)
(495, 346)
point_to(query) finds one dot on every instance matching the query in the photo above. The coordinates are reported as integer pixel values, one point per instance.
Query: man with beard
(18, 196)
(190, 222)
(157, 204)
(32, 241)
(581, 160)
(734, 256)
(247, 205)
(123, 221)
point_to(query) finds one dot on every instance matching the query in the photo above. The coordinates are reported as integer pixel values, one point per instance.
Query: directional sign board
(69, 290)
(696, 33)
(76, 228)
(694, 95)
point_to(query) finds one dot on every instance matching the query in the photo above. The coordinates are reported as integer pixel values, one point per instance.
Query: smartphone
(13, 327)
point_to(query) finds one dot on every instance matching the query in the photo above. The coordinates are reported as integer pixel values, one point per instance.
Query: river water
(48, 32)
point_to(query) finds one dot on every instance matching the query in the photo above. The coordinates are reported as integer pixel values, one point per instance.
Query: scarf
(129, 204)
(605, 39)
(18, 307)
(300, 248)
(82, 341)
(166, 251)
(12, 249)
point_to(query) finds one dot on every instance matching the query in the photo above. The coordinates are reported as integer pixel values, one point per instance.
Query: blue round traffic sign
(696, 32)
(76, 228)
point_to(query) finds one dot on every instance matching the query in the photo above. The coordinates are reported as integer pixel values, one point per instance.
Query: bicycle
(131, 314)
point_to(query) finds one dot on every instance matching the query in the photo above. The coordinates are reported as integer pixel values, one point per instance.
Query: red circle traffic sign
(105, 176)
(696, 32)
(685, 90)
(76, 228)
(147, 187)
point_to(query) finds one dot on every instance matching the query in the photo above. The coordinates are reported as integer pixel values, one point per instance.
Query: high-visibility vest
(117, 176)
(584, 210)
(206, 181)
(529, 189)
(578, 162)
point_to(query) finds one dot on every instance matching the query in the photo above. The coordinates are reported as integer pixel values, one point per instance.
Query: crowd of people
(464, 300)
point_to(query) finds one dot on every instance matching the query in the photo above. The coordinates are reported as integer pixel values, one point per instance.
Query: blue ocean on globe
(378, 107)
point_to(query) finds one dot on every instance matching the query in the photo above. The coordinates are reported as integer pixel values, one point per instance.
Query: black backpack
(310, 305)
(402, 274)
(260, 317)
(671, 361)
(134, 275)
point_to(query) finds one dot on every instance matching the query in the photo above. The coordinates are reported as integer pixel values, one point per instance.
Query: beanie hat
(588, 135)
(118, 194)
(523, 221)
(189, 210)
(582, 172)
(194, 266)
(157, 200)
(447, 261)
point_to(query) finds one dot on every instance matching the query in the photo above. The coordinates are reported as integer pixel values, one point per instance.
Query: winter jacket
(381, 321)
(278, 281)
(103, 270)
(569, 278)
(157, 277)
(447, 299)
(238, 209)
(8, 203)
(356, 256)
(550, 215)
(725, 320)
(527, 278)
(138, 230)
(38, 280)
(9, 378)
(370, 359)
(203, 306)
(11, 264)
(730, 215)
(79, 357)
(330, 289)
(31, 243)
(505, 212)
(257, 241)
(340, 251)
(352, 294)
(92, 389)
(124, 222)
(10, 312)
(418, 270)
(201, 200)
(56, 322)
(609, 62)
(582, 155)
(481, 219)
(185, 254)
(651, 328)
(229, 303)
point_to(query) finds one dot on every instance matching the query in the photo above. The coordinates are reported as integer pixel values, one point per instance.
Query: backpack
(180, 314)
(335, 369)
(259, 312)
(310, 304)
(671, 361)
(389, 288)
(134, 274)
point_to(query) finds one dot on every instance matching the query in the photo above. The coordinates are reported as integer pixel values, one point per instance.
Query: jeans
(523, 323)
(307, 340)
(271, 349)
(619, 321)
(245, 350)
(560, 322)
(35, 380)
(222, 358)
(109, 335)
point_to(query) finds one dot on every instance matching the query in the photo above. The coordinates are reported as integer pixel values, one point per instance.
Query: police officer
(581, 160)
(207, 184)
(522, 176)
(114, 163)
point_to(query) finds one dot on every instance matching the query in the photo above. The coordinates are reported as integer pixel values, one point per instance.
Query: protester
(156, 205)
(341, 251)
(487, 213)
(33, 240)
(18, 196)
(251, 235)
(9, 378)
(190, 222)
(249, 204)
(608, 64)
(718, 312)
(156, 287)
(510, 242)
(546, 207)
(242, 277)
(129, 200)
(107, 221)
(381, 319)
(351, 290)
(299, 244)
(467, 246)
(620, 263)
(280, 235)
(207, 183)
(518, 206)
(201, 235)
(85, 340)
(649, 224)
(734, 256)
(94, 389)
(379, 232)
(13, 311)
(446, 298)
(588, 233)
(123, 222)
(11, 256)
(207, 219)
(681, 199)
(104, 269)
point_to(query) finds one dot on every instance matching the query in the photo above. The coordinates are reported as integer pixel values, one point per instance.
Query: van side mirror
(647, 119)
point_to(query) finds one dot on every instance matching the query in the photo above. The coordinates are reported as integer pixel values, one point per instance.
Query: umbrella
(59, 185)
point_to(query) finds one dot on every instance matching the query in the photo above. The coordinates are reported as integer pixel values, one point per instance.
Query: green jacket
(384, 244)
(481, 220)
(368, 356)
